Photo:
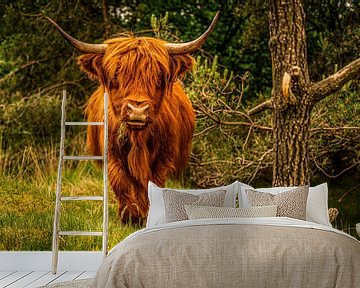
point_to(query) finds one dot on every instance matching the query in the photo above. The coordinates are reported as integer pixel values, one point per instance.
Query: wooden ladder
(57, 232)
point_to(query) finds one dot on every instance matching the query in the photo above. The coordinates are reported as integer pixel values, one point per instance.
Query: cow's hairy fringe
(121, 135)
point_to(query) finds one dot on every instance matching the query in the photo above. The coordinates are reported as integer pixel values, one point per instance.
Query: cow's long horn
(188, 47)
(82, 46)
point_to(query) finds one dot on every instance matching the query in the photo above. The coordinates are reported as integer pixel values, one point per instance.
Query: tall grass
(27, 198)
(344, 225)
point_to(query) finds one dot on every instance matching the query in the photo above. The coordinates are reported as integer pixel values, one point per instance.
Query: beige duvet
(275, 252)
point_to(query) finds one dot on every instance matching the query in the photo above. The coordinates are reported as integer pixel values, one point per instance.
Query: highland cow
(151, 120)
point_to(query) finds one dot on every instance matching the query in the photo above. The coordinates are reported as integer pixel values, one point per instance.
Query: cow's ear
(179, 64)
(91, 64)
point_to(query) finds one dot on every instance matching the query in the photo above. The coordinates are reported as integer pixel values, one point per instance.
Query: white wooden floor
(31, 279)
(33, 269)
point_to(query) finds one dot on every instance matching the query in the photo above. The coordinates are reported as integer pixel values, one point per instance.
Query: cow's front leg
(163, 166)
(131, 196)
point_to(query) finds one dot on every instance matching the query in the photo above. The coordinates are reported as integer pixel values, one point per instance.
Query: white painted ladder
(57, 232)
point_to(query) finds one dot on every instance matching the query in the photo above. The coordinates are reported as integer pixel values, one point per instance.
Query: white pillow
(317, 202)
(243, 203)
(157, 207)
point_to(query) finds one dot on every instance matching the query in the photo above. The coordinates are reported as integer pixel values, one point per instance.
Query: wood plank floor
(32, 279)
(32, 268)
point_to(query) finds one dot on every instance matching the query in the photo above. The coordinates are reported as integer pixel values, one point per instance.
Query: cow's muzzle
(137, 117)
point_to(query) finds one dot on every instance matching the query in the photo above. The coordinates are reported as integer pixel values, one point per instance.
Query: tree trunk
(106, 16)
(291, 137)
(293, 95)
(291, 99)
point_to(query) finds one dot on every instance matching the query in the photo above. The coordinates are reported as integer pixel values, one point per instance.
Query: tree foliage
(230, 144)
(36, 64)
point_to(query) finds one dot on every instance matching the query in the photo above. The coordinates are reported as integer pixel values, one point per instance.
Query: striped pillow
(201, 212)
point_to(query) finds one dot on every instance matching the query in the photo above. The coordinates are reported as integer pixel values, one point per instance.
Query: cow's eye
(115, 83)
(160, 79)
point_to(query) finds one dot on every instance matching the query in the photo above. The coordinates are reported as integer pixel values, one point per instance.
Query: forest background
(232, 75)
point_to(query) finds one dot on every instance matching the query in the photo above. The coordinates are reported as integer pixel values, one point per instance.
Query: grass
(27, 210)
(27, 201)
(349, 207)
(27, 198)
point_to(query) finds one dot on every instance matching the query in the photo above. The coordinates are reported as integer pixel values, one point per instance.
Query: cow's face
(138, 74)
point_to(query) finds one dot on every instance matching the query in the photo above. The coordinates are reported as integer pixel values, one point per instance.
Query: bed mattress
(237, 252)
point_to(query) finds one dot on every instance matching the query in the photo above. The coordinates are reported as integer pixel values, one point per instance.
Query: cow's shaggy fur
(140, 70)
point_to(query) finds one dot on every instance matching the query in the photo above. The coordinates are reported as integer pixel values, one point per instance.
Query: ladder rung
(74, 198)
(83, 157)
(83, 123)
(80, 233)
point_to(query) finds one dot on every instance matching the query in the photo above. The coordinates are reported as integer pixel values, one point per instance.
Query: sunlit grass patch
(27, 199)
(27, 209)
(25, 215)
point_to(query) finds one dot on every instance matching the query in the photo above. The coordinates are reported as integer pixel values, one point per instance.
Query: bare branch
(212, 162)
(322, 129)
(214, 117)
(22, 67)
(335, 82)
(220, 101)
(218, 121)
(205, 130)
(66, 83)
(247, 138)
(335, 128)
(348, 192)
(260, 160)
(260, 108)
(235, 123)
(337, 175)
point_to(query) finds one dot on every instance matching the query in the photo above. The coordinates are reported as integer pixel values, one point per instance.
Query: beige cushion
(316, 207)
(156, 214)
(201, 212)
(175, 201)
(290, 204)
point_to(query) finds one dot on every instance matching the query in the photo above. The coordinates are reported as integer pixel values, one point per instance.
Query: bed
(231, 251)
